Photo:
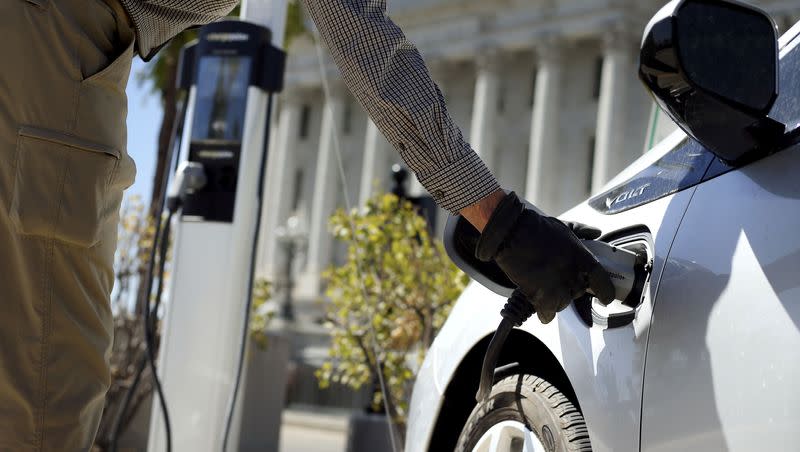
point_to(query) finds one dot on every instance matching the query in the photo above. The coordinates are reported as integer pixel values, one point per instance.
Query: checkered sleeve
(388, 77)
(158, 21)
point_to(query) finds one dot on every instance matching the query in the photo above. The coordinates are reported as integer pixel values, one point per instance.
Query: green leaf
(394, 291)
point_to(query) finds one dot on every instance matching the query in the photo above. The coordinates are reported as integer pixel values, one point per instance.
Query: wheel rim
(509, 436)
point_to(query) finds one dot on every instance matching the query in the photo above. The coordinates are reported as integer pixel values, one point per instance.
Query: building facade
(546, 91)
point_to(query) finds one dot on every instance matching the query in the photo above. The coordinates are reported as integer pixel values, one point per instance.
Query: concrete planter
(368, 432)
(263, 395)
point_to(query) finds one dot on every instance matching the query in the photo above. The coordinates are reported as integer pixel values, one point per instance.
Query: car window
(787, 106)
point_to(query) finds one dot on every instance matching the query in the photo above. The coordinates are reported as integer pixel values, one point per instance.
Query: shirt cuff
(460, 183)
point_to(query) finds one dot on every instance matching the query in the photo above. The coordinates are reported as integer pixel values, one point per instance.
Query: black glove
(582, 231)
(543, 257)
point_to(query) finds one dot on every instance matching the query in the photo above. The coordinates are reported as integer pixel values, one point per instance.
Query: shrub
(387, 301)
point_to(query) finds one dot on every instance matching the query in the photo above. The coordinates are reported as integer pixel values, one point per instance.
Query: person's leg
(63, 167)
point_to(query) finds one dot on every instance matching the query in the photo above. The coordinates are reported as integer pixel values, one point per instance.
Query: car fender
(583, 353)
(475, 316)
(603, 366)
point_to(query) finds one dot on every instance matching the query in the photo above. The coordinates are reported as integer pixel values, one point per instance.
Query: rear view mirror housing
(712, 66)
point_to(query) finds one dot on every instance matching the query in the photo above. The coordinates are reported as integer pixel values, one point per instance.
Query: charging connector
(189, 178)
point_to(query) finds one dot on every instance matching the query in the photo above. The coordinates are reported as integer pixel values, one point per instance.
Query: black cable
(152, 318)
(516, 311)
(146, 314)
(177, 134)
(149, 317)
(251, 277)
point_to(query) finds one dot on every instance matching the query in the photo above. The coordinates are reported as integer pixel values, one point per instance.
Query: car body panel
(730, 295)
(475, 315)
(609, 391)
(722, 366)
(606, 367)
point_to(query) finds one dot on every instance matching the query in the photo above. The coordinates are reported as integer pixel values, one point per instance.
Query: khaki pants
(63, 167)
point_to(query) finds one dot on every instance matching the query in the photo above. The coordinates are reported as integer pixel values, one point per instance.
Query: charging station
(231, 72)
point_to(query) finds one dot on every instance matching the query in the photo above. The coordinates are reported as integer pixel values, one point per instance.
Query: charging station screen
(222, 83)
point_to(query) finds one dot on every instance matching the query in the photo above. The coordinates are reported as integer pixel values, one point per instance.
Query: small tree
(135, 237)
(387, 301)
(261, 312)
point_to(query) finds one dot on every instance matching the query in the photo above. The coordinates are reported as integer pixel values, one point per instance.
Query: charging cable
(189, 178)
(516, 311)
(158, 207)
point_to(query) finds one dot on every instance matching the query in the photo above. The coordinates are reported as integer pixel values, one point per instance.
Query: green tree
(261, 312)
(387, 301)
(135, 232)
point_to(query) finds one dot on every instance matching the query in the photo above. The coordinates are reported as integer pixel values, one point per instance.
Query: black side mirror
(712, 65)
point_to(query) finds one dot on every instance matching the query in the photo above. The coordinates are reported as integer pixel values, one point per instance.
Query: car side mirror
(712, 65)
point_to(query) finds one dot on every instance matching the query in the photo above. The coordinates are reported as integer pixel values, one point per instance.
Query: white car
(708, 357)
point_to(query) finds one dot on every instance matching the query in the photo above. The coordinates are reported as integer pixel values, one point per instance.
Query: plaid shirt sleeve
(388, 77)
(158, 21)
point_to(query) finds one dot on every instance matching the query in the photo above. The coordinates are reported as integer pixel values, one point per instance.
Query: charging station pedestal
(233, 70)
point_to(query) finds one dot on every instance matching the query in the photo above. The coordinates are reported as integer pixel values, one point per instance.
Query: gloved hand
(582, 231)
(543, 257)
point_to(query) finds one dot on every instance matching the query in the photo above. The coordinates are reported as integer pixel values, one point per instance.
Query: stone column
(543, 150)
(326, 191)
(484, 105)
(278, 185)
(375, 168)
(611, 107)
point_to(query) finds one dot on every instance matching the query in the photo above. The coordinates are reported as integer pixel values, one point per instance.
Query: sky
(144, 120)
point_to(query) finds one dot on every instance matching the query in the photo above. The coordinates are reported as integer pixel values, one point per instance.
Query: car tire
(533, 403)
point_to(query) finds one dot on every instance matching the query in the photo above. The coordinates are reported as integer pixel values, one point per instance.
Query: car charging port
(622, 311)
(628, 268)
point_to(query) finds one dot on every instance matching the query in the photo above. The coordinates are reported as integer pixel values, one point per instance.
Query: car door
(603, 348)
(722, 361)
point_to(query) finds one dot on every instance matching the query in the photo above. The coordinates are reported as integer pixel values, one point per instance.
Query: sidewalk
(313, 431)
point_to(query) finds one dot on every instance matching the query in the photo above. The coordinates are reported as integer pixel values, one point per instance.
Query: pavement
(306, 431)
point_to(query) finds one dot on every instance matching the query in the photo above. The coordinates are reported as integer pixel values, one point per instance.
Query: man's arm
(158, 21)
(479, 213)
(386, 74)
(388, 77)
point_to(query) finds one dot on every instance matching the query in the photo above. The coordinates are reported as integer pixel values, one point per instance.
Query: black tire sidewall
(533, 402)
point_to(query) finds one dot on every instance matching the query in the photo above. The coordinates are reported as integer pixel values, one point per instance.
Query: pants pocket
(62, 185)
(118, 62)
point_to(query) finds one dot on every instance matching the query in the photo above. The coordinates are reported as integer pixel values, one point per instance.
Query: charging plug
(189, 178)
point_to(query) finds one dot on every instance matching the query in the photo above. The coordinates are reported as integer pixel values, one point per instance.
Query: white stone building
(546, 91)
